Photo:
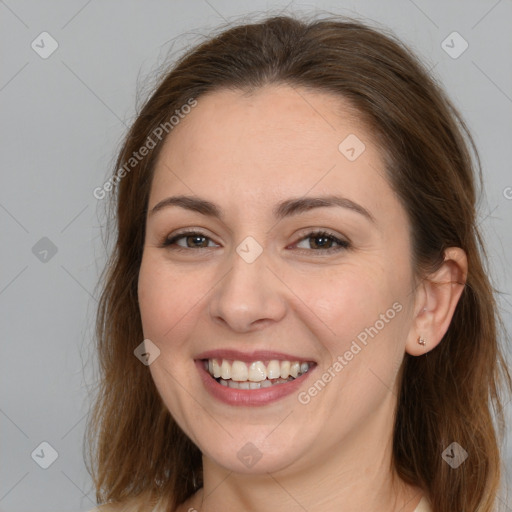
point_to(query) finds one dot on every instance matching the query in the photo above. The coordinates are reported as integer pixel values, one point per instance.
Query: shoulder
(145, 503)
(119, 507)
(125, 506)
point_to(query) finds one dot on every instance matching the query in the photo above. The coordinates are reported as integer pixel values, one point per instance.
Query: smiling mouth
(257, 374)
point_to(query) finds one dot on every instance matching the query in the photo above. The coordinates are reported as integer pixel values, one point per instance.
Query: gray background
(63, 118)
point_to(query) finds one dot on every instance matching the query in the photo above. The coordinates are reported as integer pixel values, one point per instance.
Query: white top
(423, 506)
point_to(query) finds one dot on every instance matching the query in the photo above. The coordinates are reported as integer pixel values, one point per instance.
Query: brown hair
(448, 394)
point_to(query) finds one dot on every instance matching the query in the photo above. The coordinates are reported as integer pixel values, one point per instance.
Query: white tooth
(265, 383)
(223, 382)
(285, 369)
(232, 384)
(209, 366)
(216, 368)
(244, 385)
(254, 385)
(273, 370)
(239, 371)
(257, 371)
(225, 369)
(304, 367)
(294, 369)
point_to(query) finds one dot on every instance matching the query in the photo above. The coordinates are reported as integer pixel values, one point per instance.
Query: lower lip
(249, 397)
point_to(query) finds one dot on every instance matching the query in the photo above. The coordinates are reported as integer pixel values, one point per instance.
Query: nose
(249, 297)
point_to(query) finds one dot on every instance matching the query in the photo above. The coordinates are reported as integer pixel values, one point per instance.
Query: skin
(246, 153)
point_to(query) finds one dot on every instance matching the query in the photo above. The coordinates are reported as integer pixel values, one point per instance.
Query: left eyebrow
(281, 210)
(303, 204)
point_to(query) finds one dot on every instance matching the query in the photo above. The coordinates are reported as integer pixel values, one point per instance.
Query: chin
(255, 449)
(250, 460)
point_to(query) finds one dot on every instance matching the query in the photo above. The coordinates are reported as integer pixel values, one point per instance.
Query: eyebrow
(281, 210)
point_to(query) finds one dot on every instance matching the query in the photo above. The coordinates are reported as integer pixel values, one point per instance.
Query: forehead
(276, 141)
(242, 119)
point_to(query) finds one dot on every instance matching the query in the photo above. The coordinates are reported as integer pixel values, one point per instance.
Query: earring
(422, 341)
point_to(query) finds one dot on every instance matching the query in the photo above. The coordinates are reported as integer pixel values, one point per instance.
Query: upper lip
(248, 357)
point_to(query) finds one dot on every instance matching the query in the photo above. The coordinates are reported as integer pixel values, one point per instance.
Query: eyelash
(342, 244)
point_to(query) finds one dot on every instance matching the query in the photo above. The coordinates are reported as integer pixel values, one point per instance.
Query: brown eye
(189, 240)
(321, 240)
(196, 241)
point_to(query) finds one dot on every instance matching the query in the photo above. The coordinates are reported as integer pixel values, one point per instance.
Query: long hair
(450, 394)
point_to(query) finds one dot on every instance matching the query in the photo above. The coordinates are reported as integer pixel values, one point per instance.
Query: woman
(296, 314)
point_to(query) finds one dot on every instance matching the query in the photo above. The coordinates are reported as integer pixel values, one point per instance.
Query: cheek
(154, 301)
(167, 295)
(347, 298)
(167, 298)
(361, 317)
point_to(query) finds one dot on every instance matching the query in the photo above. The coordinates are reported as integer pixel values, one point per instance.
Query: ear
(435, 301)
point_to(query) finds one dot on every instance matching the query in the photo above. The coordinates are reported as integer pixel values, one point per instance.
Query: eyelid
(311, 231)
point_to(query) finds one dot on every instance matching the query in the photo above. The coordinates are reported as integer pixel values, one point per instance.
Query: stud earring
(422, 341)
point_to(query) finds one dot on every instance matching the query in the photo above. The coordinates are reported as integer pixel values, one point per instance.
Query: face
(277, 258)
